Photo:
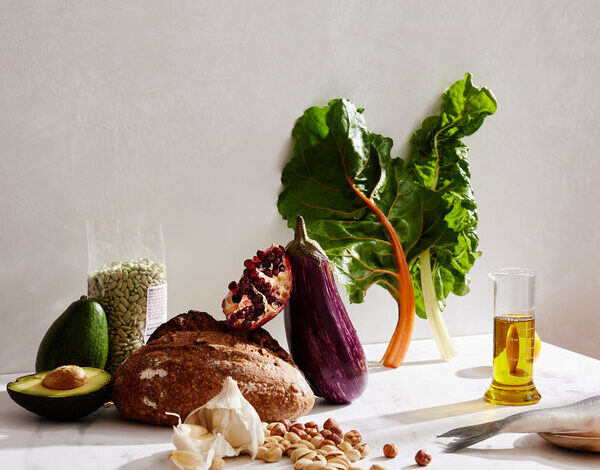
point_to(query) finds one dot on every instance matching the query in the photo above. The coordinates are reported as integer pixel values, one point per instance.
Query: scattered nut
(353, 455)
(311, 424)
(308, 444)
(377, 467)
(363, 448)
(292, 437)
(344, 446)
(336, 438)
(317, 466)
(330, 423)
(286, 422)
(422, 458)
(326, 433)
(271, 454)
(353, 437)
(277, 429)
(390, 451)
(303, 434)
(317, 440)
(312, 432)
(327, 442)
(296, 427)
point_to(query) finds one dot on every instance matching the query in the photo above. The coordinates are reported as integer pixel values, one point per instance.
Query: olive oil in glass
(514, 339)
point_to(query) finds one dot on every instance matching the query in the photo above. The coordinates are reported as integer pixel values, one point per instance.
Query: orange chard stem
(398, 345)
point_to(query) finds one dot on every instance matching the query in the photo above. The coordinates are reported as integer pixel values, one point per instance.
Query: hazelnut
(296, 427)
(353, 437)
(65, 378)
(287, 423)
(390, 451)
(330, 423)
(278, 429)
(422, 458)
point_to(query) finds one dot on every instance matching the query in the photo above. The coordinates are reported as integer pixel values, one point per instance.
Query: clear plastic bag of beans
(127, 273)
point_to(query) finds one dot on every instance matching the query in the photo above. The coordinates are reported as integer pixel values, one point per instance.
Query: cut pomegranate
(262, 291)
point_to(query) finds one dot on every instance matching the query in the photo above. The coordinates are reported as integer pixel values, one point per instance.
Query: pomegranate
(262, 291)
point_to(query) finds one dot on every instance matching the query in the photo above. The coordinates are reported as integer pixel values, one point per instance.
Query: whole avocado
(79, 337)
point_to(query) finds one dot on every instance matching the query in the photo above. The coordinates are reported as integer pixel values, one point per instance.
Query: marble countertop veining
(407, 406)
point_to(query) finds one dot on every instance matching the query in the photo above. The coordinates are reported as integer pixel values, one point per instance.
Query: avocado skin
(63, 408)
(78, 337)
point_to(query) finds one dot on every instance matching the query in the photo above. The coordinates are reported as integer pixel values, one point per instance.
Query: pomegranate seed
(260, 308)
(254, 275)
(232, 285)
(249, 264)
(268, 273)
(247, 323)
(256, 259)
(271, 256)
(236, 298)
(261, 255)
(275, 272)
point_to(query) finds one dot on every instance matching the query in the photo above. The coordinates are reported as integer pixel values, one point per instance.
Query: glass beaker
(514, 338)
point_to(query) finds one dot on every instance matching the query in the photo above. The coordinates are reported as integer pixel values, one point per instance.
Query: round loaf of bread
(182, 370)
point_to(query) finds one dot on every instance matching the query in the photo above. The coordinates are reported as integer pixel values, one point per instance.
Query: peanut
(296, 427)
(390, 451)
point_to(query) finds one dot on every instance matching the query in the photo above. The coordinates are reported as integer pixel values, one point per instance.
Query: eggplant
(321, 338)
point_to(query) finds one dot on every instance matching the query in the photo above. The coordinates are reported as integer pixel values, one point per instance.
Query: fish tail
(469, 435)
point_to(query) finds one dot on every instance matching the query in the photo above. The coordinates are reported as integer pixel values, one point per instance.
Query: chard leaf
(438, 162)
(334, 157)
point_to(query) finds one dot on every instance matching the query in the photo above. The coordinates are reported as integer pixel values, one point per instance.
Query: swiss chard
(380, 220)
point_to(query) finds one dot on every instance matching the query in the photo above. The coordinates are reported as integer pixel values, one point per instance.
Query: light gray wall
(181, 112)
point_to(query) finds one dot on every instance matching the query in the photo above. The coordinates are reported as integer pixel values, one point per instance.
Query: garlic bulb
(231, 416)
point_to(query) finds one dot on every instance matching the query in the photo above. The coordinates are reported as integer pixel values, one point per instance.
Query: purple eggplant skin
(321, 338)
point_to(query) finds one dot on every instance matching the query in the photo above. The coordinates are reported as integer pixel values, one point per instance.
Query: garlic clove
(187, 460)
(229, 414)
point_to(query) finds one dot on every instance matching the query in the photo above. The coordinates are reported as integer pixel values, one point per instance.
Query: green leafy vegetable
(374, 216)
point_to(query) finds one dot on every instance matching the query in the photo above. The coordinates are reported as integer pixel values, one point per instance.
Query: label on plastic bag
(156, 309)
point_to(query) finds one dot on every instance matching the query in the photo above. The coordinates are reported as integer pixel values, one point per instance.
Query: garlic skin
(231, 416)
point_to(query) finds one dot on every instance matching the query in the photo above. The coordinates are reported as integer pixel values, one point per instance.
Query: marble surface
(408, 406)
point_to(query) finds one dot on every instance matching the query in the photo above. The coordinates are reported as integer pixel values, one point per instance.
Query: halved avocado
(62, 405)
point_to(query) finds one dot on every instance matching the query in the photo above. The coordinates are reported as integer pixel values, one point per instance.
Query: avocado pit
(65, 393)
(65, 378)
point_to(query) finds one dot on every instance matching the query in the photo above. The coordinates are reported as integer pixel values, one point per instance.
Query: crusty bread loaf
(185, 364)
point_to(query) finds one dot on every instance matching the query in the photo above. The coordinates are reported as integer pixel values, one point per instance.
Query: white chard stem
(432, 309)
